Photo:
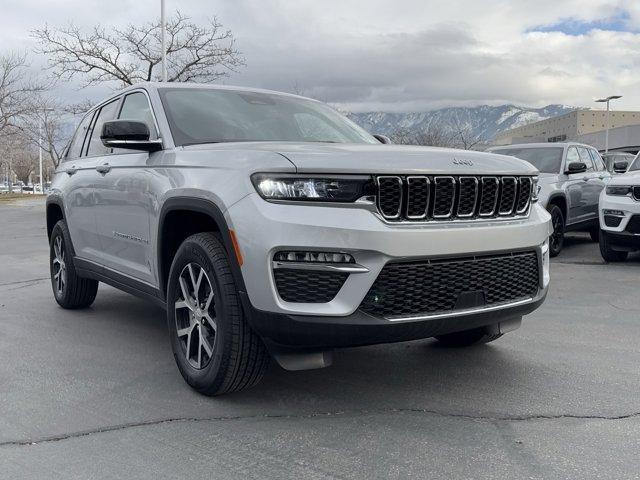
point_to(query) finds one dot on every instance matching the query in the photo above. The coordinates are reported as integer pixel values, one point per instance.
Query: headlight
(618, 190)
(346, 188)
(535, 190)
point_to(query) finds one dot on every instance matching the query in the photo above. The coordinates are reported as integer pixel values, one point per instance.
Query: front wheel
(213, 345)
(609, 254)
(556, 240)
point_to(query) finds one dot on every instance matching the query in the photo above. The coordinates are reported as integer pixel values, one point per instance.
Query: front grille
(438, 286)
(426, 198)
(634, 224)
(308, 286)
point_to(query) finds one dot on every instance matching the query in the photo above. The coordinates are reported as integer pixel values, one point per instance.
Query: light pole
(606, 135)
(163, 39)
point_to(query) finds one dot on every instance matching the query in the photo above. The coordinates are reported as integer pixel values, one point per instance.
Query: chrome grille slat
(490, 190)
(441, 198)
(444, 196)
(467, 202)
(390, 196)
(508, 195)
(418, 191)
(525, 184)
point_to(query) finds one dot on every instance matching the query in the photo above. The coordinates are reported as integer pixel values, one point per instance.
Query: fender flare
(206, 207)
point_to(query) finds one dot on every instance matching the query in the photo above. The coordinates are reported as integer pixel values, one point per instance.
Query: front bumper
(263, 228)
(627, 206)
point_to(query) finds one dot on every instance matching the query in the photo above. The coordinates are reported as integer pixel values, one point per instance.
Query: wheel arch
(192, 215)
(560, 201)
(55, 213)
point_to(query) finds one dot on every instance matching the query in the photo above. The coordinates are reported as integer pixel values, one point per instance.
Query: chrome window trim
(435, 193)
(401, 183)
(497, 195)
(515, 196)
(426, 208)
(475, 196)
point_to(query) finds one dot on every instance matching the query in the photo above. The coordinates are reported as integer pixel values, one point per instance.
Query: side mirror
(382, 138)
(128, 134)
(620, 167)
(576, 167)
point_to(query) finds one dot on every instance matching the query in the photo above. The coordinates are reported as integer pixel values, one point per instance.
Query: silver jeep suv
(572, 175)
(268, 225)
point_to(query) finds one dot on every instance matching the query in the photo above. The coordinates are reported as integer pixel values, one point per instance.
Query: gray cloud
(397, 56)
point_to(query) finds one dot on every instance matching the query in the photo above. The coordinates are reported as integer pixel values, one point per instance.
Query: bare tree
(19, 153)
(432, 135)
(435, 136)
(17, 91)
(49, 127)
(462, 135)
(194, 53)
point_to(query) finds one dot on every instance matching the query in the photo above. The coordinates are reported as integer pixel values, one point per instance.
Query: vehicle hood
(629, 178)
(384, 159)
(547, 178)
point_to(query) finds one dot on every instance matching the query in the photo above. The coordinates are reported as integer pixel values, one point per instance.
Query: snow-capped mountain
(482, 122)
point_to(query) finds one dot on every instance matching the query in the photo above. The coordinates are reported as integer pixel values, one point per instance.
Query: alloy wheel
(195, 315)
(556, 236)
(59, 265)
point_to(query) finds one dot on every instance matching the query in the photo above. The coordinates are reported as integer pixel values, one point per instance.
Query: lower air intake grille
(441, 286)
(308, 286)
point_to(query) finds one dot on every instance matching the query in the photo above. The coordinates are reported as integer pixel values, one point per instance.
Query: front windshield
(219, 115)
(635, 166)
(546, 160)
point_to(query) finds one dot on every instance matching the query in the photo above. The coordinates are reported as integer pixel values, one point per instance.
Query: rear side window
(75, 148)
(136, 107)
(107, 112)
(586, 158)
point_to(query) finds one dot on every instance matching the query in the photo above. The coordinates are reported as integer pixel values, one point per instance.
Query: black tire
(467, 338)
(556, 239)
(69, 289)
(229, 355)
(608, 253)
(594, 233)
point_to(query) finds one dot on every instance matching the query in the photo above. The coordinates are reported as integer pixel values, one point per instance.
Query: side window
(572, 156)
(586, 158)
(106, 113)
(136, 107)
(75, 148)
(597, 160)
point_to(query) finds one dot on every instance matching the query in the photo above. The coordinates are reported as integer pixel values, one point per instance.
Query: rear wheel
(70, 290)
(556, 239)
(608, 253)
(468, 338)
(215, 349)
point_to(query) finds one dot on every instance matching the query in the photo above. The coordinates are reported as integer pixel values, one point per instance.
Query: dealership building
(582, 125)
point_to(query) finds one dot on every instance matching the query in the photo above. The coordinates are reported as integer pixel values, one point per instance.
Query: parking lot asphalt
(95, 393)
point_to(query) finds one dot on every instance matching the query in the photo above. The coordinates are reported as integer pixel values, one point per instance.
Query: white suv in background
(620, 215)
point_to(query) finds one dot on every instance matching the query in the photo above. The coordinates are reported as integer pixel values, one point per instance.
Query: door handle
(72, 170)
(104, 168)
(585, 179)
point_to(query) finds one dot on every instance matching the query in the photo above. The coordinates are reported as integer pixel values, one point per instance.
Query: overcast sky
(397, 55)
